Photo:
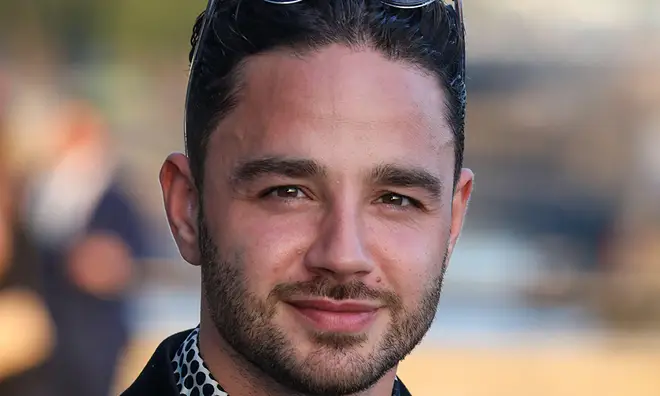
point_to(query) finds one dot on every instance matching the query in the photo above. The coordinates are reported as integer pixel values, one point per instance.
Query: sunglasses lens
(407, 3)
(282, 1)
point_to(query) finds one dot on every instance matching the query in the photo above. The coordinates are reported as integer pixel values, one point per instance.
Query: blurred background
(554, 288)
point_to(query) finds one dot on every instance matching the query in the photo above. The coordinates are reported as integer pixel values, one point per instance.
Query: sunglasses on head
(401, 4)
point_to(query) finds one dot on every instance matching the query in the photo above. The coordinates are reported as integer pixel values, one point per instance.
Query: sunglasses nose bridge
(283, 2)
(407, 3)
(391, 3)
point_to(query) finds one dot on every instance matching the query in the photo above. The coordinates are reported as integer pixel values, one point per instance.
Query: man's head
(323, 191)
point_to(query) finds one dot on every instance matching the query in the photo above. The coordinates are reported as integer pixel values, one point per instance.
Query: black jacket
(157, 378)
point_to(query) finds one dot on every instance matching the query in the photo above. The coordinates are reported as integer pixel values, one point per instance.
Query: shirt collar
(193, 378)
(191, 375)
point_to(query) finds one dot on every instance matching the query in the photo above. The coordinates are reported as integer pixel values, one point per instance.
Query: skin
(332, 178)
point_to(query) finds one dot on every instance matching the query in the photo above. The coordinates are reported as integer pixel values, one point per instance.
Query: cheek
(411, 257)
(273, 245)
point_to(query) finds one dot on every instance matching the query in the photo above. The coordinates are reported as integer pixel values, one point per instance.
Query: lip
(336, 316)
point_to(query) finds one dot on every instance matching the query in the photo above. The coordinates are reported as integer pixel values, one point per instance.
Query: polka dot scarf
(192, 376)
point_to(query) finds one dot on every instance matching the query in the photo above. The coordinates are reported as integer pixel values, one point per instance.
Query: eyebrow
(407, 177)
(295, 168)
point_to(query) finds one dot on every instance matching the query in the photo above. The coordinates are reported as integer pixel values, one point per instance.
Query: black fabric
(400, 390)
(157, 378)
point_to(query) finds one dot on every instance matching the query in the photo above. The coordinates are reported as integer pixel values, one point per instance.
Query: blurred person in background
(322, 195)
(90, 233)
(26, 331)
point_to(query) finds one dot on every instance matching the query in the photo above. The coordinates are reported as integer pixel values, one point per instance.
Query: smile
(336, 316)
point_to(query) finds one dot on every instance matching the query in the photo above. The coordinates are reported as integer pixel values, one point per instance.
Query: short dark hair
(431, 37)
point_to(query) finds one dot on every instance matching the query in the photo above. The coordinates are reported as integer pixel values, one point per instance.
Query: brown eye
(286, 192)
(395, 200)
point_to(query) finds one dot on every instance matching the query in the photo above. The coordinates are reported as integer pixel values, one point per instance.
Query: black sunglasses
(405, 4)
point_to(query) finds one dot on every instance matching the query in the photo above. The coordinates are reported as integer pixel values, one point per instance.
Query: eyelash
(270, 191)
(413, 203)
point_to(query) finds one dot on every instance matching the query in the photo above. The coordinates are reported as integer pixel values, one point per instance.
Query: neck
(239, 377)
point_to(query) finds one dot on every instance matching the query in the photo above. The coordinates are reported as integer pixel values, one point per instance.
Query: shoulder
(157, 377)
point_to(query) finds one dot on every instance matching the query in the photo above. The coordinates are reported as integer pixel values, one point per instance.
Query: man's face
(328, 215)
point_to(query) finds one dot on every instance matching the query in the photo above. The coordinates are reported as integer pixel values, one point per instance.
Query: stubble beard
(245, 322)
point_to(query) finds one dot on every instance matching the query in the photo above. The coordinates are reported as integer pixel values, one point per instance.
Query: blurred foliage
(82, 30)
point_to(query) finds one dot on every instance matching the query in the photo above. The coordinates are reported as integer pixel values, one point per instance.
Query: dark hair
(430, 37)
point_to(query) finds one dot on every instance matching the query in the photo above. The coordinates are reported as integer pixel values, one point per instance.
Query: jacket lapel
(157, 377)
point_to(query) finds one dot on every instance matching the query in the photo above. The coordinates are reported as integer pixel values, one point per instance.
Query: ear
(181, 205)
(462, 194)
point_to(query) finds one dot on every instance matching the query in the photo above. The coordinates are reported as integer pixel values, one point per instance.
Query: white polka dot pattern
(192, 376)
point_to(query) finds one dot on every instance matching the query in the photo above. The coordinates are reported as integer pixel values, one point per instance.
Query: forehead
(345, 98)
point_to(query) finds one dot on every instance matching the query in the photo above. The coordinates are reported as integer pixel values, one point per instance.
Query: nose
(339, 250)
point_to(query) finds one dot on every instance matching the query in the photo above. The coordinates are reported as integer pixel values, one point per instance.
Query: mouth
(349, 317)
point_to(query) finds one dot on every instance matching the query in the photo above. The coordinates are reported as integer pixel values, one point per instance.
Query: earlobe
(181, 199)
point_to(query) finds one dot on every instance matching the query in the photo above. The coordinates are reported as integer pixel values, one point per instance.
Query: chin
(338, 372)
(331, 354)
(330, 363)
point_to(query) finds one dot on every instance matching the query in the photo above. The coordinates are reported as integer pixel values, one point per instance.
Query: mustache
(326, 288)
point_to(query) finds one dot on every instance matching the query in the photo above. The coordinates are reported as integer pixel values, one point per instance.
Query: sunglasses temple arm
(459, 14)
